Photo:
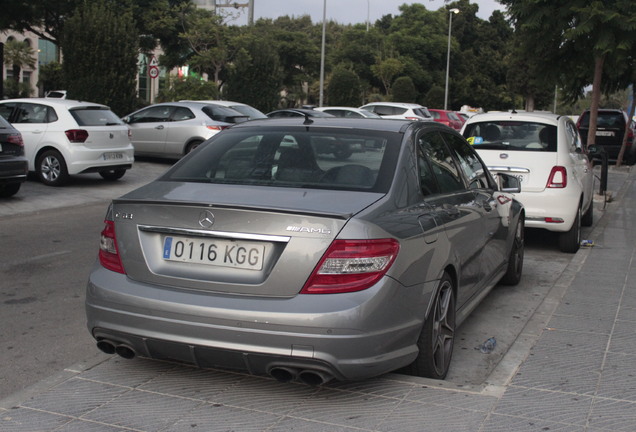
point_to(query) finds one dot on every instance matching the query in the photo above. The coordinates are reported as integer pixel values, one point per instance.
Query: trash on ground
(488, 346)
(587, 243)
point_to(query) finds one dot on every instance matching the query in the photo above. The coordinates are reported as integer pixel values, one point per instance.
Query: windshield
(321, 158)
(512, 135)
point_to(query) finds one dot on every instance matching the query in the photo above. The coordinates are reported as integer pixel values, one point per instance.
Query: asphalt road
(49, 240)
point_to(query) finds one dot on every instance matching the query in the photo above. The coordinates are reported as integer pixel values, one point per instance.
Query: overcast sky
(344, 11)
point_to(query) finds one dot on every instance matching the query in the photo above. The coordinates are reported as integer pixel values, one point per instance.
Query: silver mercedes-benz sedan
(259, 252)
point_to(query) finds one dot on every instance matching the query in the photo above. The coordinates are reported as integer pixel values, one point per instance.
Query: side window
(182, 113)
(31, 113)
(152, 114)
(574, 139)
(6, 109)
(471, 166)
(443, 167)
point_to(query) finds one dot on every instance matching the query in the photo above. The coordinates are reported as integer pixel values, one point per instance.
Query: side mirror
(126, 119)
(508, 183)
(595, 150)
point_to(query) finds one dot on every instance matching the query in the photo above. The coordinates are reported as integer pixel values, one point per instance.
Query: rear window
(294, 157)
(606, 120)
(512, 135)
(95, 117)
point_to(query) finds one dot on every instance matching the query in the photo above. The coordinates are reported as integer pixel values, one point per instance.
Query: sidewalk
(577, 370)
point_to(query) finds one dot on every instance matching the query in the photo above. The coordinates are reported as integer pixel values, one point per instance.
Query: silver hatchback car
(256, 252)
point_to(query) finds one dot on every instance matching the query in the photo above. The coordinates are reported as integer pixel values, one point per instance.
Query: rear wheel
(192, 146)
(588, 217)
(114, 174)
(570, 241)
(51, 168)
(515, 261)
(438, 335)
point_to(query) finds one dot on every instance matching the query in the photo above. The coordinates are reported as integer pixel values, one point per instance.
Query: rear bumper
(83, 159)
(348, 336)
(13, 170)
(557, 205)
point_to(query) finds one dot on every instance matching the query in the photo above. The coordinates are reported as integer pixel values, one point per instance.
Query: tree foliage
(188, 88)
(344, 87)
(105, 70)
(404, 90)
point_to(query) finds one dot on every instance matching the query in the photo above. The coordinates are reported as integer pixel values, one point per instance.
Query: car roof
(541, 117)
(65, 103)
(371, 124)
(396, 104)
(216, 102)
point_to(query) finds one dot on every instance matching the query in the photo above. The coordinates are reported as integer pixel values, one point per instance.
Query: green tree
(404, 90)
(343, 88)
(18, 55)
(255, 76)
(51, 77)
(189, 88)
(105, 69)
(386, 70)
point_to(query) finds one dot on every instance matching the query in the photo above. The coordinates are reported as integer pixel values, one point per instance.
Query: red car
(449, 118)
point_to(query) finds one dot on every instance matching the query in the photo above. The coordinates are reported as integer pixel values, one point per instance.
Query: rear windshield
(319, 158)
(607, 120)
(95, 117)
(512, 135)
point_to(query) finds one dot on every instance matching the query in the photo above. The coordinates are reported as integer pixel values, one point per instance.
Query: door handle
(159, 127)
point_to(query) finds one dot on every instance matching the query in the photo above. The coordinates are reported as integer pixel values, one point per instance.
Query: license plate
(218, 252)
(112, 156)
(604, 133)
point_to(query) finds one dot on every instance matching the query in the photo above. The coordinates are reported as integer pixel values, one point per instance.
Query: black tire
(192, 146)
(588, 217)
(9, 189)
(438, 335)
(51, 168)
(515, 261)
(342, 152)
(570, 241)
(114, 174)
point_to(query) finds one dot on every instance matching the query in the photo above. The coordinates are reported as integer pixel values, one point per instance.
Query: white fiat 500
(545, 152)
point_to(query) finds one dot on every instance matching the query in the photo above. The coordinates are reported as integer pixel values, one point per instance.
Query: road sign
(153, 71)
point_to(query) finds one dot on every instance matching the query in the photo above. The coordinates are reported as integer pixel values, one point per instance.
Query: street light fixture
(450, 24)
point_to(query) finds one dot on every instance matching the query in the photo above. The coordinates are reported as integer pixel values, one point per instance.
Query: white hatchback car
(399, 110)
(348, 112)
(545, 152)
(63, 137)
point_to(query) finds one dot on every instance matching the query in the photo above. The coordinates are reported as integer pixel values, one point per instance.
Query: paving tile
(131, 373)
(627, 311)
(414, 416)
(380, 386)
(574, 340)
(87, 426)
(75, 397)
(451, 398)
(346, 408)
(624, 338)
(28, 420)
(613, 415)
(192, 382)
(218, 418)
(294, 424)
(503, 423)
(545, 405)
(143, 410)
(587, 308)
(618, 379)
(602, 325)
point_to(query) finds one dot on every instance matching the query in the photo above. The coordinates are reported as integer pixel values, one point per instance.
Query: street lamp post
(322, 52)
(450, 25)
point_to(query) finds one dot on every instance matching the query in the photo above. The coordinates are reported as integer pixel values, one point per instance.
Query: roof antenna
(514, 111)
(308, 120)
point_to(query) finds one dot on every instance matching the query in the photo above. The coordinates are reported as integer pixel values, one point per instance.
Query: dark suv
(610, 129)
(13, 164)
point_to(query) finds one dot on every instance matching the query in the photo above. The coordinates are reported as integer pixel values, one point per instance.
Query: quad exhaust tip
(305, 376)
(122, 350)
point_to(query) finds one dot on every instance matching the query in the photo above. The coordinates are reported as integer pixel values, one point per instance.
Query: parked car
(251, 112)
(546, 153)
(399, 110)
(610, 129)
(297, 112)
(252, 253)
(173, 129)
(64, 137)
(348, 112)
(448, 118)
(13, 164)
(462, 116)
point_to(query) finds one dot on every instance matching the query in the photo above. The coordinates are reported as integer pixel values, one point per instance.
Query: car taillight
(108, 251)
(413, 118)
(217, 128)
(16, 139)
(352, 265)
(558, 178)
(76, 135)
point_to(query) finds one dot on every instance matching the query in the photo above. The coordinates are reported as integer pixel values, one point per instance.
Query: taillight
(217, 128)
(108, 251)
(558, 178)
(16, 139)
(352, 265)
(76, 135)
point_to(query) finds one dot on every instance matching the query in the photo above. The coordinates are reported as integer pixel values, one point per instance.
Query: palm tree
(18, 55)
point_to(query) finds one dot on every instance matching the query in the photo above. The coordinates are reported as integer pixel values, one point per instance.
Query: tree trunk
(621, 154)
(530, 103)
(596, 98)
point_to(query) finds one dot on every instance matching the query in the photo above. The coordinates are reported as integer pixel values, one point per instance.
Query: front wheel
(570, 241)
(51, 168)
(438, 335)
(114, 174)
(9, 189)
